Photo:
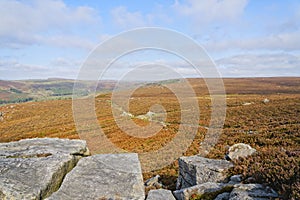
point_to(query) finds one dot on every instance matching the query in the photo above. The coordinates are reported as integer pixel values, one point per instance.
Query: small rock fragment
(160, 194)
(240, 150)
(207, 190)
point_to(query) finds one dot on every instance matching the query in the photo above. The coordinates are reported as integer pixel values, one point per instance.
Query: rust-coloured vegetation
(273, 128)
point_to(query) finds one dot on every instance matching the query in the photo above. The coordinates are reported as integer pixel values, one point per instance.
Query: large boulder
(252, 191)
(103, 176)
(207, 190)
(160, 194)
(34, 168)
(195, 170)
(240, 150)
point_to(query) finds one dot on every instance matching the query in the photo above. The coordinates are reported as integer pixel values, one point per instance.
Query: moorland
(261, 112)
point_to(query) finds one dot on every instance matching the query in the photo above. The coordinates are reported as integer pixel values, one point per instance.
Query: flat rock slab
(103, 176)
(33, 178)
(34, 168)
(195, 170)
(39, 147)
(160, 194)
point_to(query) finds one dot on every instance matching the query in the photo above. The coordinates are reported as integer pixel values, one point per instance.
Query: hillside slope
(272, 127)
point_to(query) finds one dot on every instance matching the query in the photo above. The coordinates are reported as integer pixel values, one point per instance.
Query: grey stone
(208, 190)
(33, 178)
(240, 150)
(34, 168)
(40, 146)
(103, 176)
(235, 179)
(195, 170)
(252, 192)
(160, 194)
(223, 196)
(152, 181)
(266, 100)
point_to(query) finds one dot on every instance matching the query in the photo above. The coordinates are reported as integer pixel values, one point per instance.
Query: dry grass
(272, 128)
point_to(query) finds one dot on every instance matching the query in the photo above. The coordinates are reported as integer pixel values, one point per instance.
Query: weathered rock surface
(225, 191)
(34, 168)
(240, 150)
(252, 192)
(41, 146)
(207, 190)
(46, 168)
(235, 179)
(160, 194)
(33, 178)
(153, 183)
(103, 176)
(223, 196)
(195, 170)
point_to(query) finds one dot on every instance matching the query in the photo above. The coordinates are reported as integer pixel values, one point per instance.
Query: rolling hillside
(272, 127)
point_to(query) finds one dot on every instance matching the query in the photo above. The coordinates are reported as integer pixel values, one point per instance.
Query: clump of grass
(278, 169)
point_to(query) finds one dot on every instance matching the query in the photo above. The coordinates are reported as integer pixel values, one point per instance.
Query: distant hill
(54, 88)
(268, 85)
(57, 88)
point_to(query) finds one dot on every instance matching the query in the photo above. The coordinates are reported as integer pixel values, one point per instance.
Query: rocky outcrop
(59, 169)
(160, 194)
(252, 191)
(103, 176)
(207, 190)
(195, 170)
(203, 178)
(240, 150)
(37, 168)
(226, 191)
(34, 168)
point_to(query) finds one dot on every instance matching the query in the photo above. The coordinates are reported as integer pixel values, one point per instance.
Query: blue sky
(43, 38)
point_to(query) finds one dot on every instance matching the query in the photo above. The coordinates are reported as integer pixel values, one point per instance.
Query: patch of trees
(15, 90)
(17, 100)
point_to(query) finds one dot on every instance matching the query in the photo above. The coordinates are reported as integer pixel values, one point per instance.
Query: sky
(244, 38)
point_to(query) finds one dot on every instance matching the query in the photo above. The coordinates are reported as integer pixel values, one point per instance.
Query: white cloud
(281, 41)
(203, 12)
(11, 68)
(159, 15)
(65, 62)
(25, 22)
(16, 65)
(67, 41)
(125, 19)
(276, 64)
